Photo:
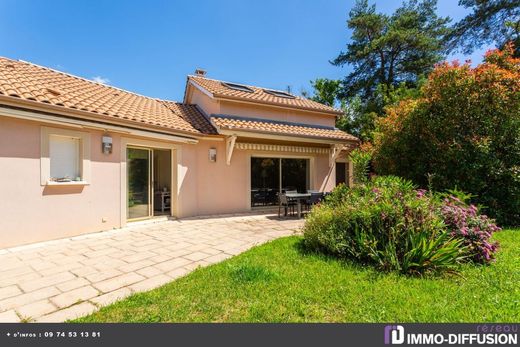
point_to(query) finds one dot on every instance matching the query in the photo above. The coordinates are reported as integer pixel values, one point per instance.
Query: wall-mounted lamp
(106, 144)
(213, 155)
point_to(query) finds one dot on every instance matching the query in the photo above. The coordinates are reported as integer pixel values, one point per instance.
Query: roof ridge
(78, 77)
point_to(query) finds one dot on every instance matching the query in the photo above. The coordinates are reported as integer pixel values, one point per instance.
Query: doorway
(148, 182)
(341, 173)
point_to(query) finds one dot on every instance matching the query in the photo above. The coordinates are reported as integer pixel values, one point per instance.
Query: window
(64, 158)
(239, 87)
(270, 176)
(279, 93)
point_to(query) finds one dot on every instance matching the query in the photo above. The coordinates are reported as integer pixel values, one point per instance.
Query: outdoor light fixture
(106, 144)
(213, 155)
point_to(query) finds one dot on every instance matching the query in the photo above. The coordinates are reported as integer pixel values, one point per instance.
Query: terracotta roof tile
(219, 89)
(192, 115)
(22, 80)
(279, 128)
(27, 81)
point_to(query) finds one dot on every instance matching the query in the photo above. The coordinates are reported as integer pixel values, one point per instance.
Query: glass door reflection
(139, 182)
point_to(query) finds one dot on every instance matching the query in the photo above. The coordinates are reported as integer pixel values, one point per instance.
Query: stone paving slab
(69, 278)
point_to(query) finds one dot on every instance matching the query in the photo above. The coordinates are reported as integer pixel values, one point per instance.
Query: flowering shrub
(385, 223)
(475, 230)
(463, 130)
(388, 223)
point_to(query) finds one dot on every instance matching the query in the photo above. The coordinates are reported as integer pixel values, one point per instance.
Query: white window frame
(84, 156)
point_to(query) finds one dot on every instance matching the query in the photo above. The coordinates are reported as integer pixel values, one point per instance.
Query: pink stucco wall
(217, 188)
(30, 212)
(233, 108)
(272, 113)
(208, 105)
(212, 188)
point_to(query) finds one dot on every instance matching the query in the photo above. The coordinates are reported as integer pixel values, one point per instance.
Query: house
(78, 156)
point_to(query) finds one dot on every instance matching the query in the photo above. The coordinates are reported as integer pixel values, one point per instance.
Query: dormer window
(279, 93)
(238, 87)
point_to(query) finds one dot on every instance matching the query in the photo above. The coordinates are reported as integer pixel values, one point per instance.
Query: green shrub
(337, 195)
(385, 223)
(360, 158)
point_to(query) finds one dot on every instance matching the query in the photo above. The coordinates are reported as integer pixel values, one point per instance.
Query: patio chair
(315, 198)
(285, 203)
(272, 197)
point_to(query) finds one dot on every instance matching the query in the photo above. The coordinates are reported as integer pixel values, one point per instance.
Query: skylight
(239, 87)
(279, 93)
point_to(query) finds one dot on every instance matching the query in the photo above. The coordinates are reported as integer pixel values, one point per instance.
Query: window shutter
(64, 157)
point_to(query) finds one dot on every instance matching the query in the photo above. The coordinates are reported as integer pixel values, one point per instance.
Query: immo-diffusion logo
(394, 334)
(484, 335)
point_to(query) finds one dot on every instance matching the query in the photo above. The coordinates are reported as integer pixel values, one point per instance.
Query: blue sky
(150, 46)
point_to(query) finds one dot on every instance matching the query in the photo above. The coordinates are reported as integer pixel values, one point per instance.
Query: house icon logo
(394, 334)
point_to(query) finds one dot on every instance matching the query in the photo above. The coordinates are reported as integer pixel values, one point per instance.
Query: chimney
(200, 72)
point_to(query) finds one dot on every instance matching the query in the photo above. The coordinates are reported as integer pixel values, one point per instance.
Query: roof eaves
(197, 85)
(301, 125)
(315, 137)
(82, 114)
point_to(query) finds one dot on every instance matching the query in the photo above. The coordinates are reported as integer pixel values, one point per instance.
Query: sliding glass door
(295, 175)
(265, 181)
(270, 176)
(139, 183)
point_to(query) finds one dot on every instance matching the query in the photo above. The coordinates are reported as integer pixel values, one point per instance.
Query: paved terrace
(64, 279)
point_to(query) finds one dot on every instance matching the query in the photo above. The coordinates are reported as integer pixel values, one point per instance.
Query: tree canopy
(390, 56)
(391, 49)
(491, 21)
(462, 131)
(325, 91)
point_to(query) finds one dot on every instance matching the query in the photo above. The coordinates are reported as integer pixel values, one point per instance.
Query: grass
(277, 282)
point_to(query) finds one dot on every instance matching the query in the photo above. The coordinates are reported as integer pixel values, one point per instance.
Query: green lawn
(276, 282)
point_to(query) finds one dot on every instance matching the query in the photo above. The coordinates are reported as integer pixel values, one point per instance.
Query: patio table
(298, 197)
